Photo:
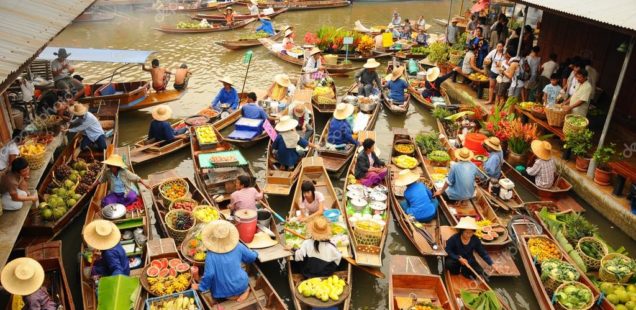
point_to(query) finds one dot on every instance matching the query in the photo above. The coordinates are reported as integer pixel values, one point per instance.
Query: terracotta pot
(602, 177)
(582, 163)
(515, 159)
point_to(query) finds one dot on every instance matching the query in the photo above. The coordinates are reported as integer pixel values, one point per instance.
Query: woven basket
(552, 284)
(367, 237)
(324, 100)
(404, 143)
(590, 262)
(547, 240)
(609, 276)
(568, 127)
(177, 235)
(196, 203)
(205, 207)
(167, 201)
(36, 161)
(589, 305)
(555, 116)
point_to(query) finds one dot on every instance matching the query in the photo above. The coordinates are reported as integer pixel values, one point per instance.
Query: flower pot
(515, 159)
(602, 177)
(566, 154)
(582, 163)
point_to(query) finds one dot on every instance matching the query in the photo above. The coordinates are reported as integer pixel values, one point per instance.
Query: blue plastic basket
(188, 293)
(332, 215)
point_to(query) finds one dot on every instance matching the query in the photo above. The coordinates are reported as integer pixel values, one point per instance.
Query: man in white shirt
(10, 151)
(579, 103)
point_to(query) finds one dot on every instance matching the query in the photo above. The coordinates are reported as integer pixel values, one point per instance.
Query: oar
(494, 200)
(426, 235)
(503, 304)
(278, 217)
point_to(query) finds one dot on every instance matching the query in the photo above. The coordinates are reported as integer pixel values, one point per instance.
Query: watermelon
(164, 272)
(152, 271)
(183, 267)
(498, 229)
(156, 263)
(494, 234)
(173, 263)
(487, 237)
(486, 229)
(173, 272)
(164, 263)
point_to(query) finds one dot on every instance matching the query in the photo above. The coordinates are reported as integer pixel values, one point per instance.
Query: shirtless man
(181, 77)
(160, 76)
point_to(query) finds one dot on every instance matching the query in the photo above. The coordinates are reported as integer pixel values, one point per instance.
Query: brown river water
(134, 30)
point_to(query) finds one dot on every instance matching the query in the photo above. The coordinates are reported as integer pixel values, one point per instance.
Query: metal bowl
(378, 196)
(114, 211)
(355, 195)
(381, 188)
(378, 205)
(359, 203)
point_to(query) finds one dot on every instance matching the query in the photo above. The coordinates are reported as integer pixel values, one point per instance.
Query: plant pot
(582, 163)
(602, 177)
(566, 154)
(515, 159)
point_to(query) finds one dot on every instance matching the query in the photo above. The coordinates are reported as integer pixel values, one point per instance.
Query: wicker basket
(367, 237)
(177, 235)
(555, 116)
(552, 284)
(609, 276)
(196, 203)
(404, 142)
(590, 262)
(205, 207)
(568, 127)
(589, 305)
(167, 201)
(36, 161)
(324, 100)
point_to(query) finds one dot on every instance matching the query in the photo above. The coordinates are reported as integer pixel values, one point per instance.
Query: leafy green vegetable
(440, 113)
(574, 296)
(428, 142)
(558, 270)
(438, 156)
(579, 142)
(481, 301)
(117, 292)
(577, 227)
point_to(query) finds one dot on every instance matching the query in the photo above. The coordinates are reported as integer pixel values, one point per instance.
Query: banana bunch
(32, 149)
(323, 289)
(169, 285)
(179, 303)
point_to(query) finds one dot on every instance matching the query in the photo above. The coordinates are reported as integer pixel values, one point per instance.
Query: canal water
(134, 30)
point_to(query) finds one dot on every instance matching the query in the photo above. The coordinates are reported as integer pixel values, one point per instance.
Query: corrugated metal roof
(28, 25)
(618, 13)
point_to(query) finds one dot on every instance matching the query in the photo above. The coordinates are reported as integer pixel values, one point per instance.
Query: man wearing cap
(227, 95)
(461, 248)
(24, 276)
(62, 70)
(160, 129)
(266, 25)
(451, 31)
(303, 116)
(314, 70)
(89, 125)
(492, 166)
(104, 236)
(418, 198)
(340, 131)
(460, 182)
(367, 77)
(122, 188)
(544, 166)
(397, 85)
(286, 142)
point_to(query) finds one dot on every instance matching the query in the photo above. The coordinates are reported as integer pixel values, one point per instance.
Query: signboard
(347, 40)
(271, 132)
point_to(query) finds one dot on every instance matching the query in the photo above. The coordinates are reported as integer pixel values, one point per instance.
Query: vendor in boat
(25, 277)
(288, 40)
(160, 129)
(303, 116)
(461, 247)
(121, 181)
(340, 132)
(287, 141)
(266, 25)
(224, 277)
(280, 90)
(229, 16)
(104, 236)
(10, 151)
(492, 166)
(253, 7)
(433, 83)
(181, 77)
(397, 85)
(14, 187)
(89, 125)
(370, 170)
(311, 204)
(245, 196)
(252, 110)
(418, 199)
(460, 183)
(160, 75)
(422, 36)
(369, 82)
(396, 20)
(544, 168)
(226, 96)
(62, 70)
(318, 256)
(314, 69)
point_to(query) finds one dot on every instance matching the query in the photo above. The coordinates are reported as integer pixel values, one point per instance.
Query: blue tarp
(98, 55)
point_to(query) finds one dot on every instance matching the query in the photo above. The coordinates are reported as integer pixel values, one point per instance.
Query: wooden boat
(417, 95)
(334, 160)
(245, 43)
(411, 281)
(393, 108)
(237, 17)
(95, 16)
(313, 169)
(358, 57)
(188, 8)
(130, 221)
(36, 229)
(214, 28)
(339, 68)
(49, 255)
(304, 5)
(407, 223)
(225, 126)
(131, 95)
(325, 108)
(145, 150)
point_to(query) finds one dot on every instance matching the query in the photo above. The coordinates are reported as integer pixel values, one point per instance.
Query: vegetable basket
(189, 293)
(404, 147)
(367, 240)
(580, 285)
(184, 199)
(550, 281)
(555, 116)
(202, 207)
(173, 232)
(589, 261)
(574, 123)
(167, 185)
(609, 276)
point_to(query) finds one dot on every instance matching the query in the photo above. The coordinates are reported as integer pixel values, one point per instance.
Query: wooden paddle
(494, 200)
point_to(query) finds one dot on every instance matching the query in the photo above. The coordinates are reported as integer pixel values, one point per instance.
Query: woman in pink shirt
(311, 204)
(245, 197)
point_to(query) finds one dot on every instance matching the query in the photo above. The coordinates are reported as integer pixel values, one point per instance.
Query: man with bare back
(160, 76)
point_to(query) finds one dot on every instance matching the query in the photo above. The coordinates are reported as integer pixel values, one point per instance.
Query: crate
(189, 293)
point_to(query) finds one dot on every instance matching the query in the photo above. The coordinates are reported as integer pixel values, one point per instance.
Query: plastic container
(474, 143)
(332, 215)
(246, 224)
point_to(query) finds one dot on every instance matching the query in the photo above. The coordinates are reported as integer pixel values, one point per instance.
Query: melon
(173, 272)
(164, 263)
(156, 263)
(183, 267)
(164, 272)
(152, 271)
(174, 262)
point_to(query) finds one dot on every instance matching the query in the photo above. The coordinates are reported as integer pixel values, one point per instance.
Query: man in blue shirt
(340, 131)
(227, 95)
(460, 182)
(160, 128)
(286, 142)
(266, 26)
(89, 125)
(104, 236)
(252, 110)
(396, 86)
(492, 166)
(418, 199)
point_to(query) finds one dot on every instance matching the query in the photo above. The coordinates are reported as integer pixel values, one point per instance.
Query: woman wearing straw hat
(266, 25)
(461, 247)
(303, 116)
(89, 125)
(227, 95)
(492, 166)
(317, 256)
(418, 198)
(340, 131)
(229, 16)
(24, 276)
(160, 129)
(460, 183)
(122, 188)
(104, 236)
(367, 77)
(397, 85)
(370, 170)
(314, 70)
(544, 168)
(433, 83)
(14, 186)
(224, 277)
(281, 88)
(287, 141)
(288, 41)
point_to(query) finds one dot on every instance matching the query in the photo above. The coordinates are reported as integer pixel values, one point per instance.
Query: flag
(247, 58)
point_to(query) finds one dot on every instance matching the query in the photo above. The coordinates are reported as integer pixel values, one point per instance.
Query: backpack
(523, 71)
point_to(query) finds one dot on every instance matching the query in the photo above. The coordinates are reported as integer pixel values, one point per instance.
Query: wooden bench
(478, 83)
(624, 171)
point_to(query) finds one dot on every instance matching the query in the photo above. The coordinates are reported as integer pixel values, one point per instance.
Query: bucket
(264, 218)
(246, 224)
(474, 142)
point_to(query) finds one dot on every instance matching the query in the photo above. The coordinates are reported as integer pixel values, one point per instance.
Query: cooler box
(204, 159)
(246, 129)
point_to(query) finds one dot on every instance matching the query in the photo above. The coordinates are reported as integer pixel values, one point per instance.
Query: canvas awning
(98, 55)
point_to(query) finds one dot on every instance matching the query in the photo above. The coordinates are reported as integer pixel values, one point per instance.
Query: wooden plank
(408, 264)
(273, 253)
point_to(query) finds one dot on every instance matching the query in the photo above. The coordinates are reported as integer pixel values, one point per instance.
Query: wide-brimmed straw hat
(406, 177)
(371, 64)
(432, 74)
(319, 229)
(454, 20)
(261, 240)
(543, 149)
(255, 2)
(101, 234)
(282, 79)
(288, 32)
(493, 143)
(220, 236)
(227, 80)
(286, 123)
(298, 105)
(314, 51)
(79, 109)
(343, 110)
(395, 74)
(464, 154)
(62, 53)
(229, 8)
(22, 276)
(467, 222)
(161, 112)
(115, 160)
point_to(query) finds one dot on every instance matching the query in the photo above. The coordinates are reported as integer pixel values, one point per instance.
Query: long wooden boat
(314, 170)
(226, 125)
(131, 95)
(304, 5)
(245, 43)
(95, 16)
(188, 8)
(417, 95)
(130, 221)
(396, 195)
(145, 150)
(394, 108)
(36, 229)
(339, 68)
(411, 281)
(216, 28)
(237, 17)
(49, 255)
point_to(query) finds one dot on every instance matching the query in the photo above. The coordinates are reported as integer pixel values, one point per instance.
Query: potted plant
(520, 136)
(439, 158)
(602, 156)
(579, 144)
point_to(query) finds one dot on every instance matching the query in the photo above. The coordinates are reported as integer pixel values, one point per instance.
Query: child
(160, 76)
(181, 77)
(551, 91)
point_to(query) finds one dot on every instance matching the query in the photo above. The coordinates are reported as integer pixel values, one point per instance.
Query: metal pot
(350, 99)
(367, 107)
(114, 211)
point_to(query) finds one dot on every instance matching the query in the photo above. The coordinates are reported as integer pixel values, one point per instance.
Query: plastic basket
(581, 286)
(171, 207)
(609, 276)
(590, 262)
(176, 234)
(367, 240)
(568, 127)
(189, 293)
(165, 185)
(555, 116)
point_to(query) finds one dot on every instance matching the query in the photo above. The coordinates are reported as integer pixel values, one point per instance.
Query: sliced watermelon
(156, 263)
(498, 229)
(487, 237)
(494, 234)
(152, 271)
(164, 272)
(173, 263)
(183, 267)
(486, 229)
(164, 263)
(173, 272)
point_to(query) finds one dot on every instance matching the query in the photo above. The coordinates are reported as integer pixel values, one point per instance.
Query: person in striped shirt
(544, 167)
